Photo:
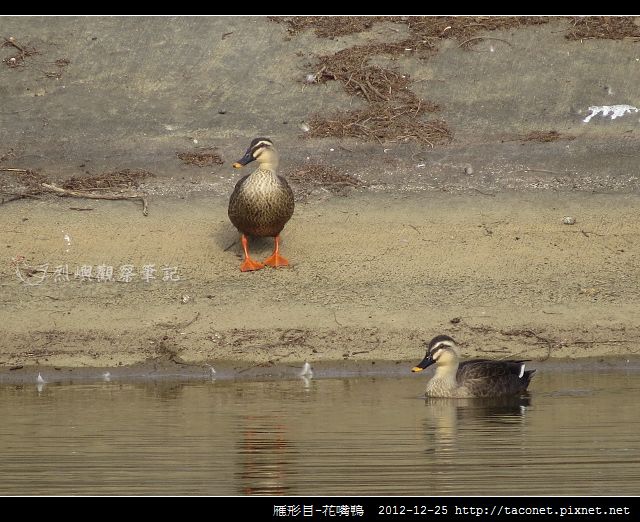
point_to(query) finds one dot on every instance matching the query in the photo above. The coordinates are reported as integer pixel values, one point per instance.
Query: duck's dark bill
(247, 158)
(424, 363)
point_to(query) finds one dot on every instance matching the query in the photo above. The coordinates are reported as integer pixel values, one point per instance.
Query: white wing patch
(521, 371)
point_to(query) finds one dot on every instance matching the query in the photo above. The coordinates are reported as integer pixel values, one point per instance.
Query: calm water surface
(579, 433)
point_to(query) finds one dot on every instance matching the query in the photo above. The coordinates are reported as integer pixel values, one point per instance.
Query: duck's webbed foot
(275, 260)
(248, 265)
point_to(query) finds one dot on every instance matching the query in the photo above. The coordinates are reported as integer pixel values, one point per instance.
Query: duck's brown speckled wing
(288, 203)
(235, 206)
(485, 378)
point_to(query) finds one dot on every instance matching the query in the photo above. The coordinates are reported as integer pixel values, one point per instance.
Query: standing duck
(261, 203)
(475, 378)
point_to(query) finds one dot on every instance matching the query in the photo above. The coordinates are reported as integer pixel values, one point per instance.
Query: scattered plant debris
(31, 184)
(603, 27)
(19, 59)
(119, 179)
(381, 122)
(546, 136)
(23, 52)
(425, 31)
(202, 158)
(322, 175)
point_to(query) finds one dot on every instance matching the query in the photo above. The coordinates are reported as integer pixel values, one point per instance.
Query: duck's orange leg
(275, 260)
(248, 265)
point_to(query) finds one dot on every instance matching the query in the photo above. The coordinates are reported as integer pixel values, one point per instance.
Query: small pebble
(186, 299)
(304, 127)
(569, 220)
(468, 170)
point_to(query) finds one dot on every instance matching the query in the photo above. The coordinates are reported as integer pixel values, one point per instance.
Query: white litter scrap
(40, 383)
(306, 371)
(67, 242)
(616, 111)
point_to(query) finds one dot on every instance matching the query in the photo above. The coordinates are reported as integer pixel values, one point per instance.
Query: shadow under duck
(261, 203)
(474, 378)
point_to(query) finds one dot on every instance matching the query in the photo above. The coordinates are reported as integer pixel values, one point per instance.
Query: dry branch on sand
(35, 184)
(74, 194)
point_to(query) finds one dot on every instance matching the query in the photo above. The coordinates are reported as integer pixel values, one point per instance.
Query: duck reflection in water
(265, 455)
(450, 422)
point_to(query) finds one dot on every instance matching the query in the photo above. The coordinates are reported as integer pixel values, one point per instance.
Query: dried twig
(14, 197)
(485, 38)
(74, 194)
(541, 170)
(16, 112)
(609, 341)
(179, 326)
(5, 169)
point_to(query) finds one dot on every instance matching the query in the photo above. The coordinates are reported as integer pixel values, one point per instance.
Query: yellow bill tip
(416, 369)
(237, 165)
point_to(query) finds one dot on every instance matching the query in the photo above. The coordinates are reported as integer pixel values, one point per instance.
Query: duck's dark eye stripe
(255, 141)
(260, 143)
(260, 146)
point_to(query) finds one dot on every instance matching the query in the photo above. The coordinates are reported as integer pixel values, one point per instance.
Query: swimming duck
(475, 378)
(261, 203)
